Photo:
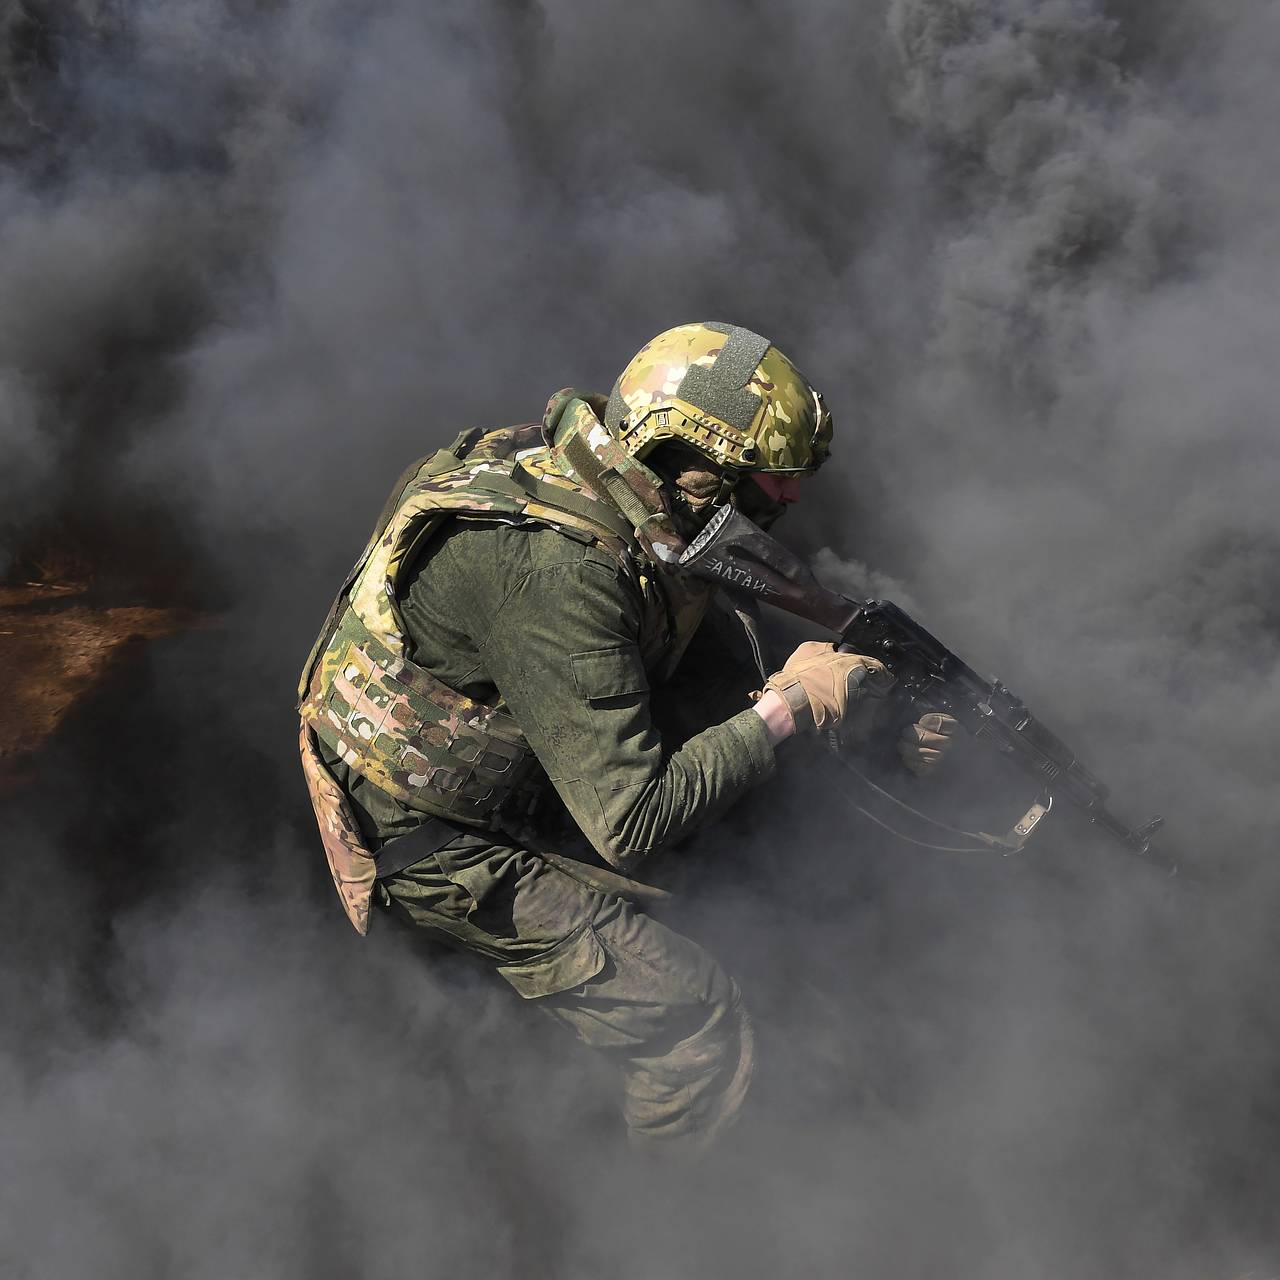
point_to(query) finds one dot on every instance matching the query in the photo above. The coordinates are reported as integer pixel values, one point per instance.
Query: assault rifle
(736, 553)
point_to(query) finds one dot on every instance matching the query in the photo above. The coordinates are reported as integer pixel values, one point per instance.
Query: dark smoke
(256, 256)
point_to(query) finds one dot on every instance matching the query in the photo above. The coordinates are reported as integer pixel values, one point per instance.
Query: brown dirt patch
(56, 647)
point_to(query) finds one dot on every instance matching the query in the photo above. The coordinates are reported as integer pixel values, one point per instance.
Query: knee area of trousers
(717, 1045)
(696, 1090)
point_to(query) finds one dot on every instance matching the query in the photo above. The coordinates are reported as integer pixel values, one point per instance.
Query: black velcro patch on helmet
(615, 410)
(720, 390)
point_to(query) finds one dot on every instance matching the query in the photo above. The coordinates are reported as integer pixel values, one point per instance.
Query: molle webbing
(414, 737)
(437, 463)
(578, 454)
(524, 484)
(390, 719)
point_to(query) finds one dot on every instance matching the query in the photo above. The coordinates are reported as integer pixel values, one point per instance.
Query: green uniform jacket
(572, 642)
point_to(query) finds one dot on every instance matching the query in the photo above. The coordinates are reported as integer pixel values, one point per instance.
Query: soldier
(493, 663)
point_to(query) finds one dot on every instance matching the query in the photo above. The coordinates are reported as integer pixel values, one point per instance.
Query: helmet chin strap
(728, 486)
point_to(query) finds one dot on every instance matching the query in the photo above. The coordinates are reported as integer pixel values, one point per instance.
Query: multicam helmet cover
(727, 392)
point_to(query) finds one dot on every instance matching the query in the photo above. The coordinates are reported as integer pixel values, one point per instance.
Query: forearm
(626, 820)
(778, 721)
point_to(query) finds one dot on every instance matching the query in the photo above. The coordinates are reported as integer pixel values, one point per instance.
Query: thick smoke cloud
(256, 256)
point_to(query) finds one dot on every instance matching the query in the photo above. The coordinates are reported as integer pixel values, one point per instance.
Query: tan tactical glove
(923, 744)
(820, 684)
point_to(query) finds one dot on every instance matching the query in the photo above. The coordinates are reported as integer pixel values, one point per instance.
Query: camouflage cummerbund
(411, 735)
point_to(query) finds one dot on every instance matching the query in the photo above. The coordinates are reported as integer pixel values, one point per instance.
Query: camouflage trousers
(651, 1000)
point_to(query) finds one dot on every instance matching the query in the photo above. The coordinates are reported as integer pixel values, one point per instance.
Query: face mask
(764, 498)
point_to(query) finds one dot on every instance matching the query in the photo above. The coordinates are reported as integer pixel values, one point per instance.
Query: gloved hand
(821, 684)
(923, 744)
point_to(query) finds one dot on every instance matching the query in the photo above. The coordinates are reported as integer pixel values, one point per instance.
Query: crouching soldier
(488, 669)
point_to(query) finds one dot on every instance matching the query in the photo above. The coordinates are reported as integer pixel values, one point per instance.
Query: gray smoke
(254, 257)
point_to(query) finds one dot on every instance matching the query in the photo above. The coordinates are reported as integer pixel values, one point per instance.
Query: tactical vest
(391, 720)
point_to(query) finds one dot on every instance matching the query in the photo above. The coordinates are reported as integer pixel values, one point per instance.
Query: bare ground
(57, 646)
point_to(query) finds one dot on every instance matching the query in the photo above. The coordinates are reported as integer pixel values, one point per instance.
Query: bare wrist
(773, 710)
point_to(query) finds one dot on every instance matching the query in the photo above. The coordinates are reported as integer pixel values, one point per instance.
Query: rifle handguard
(733, 552)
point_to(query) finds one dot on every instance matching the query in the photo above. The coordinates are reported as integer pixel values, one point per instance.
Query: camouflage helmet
(725, 391)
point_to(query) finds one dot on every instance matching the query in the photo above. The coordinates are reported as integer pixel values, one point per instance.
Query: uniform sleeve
(563, 651)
